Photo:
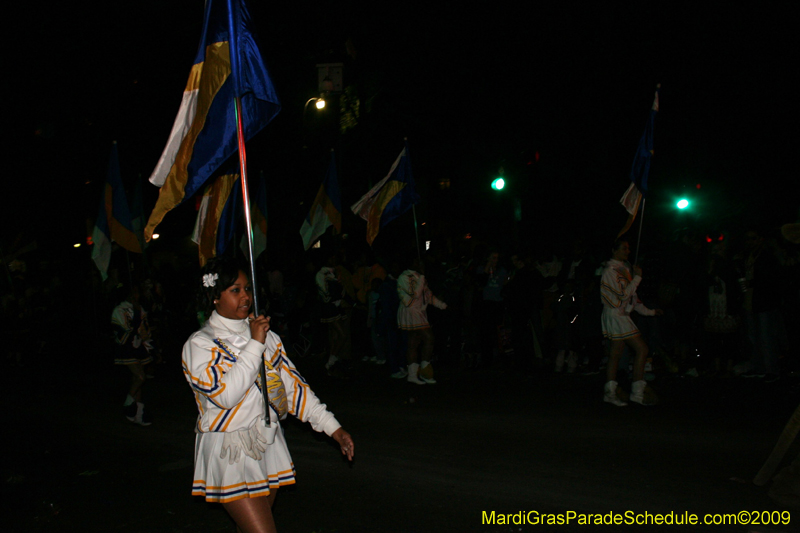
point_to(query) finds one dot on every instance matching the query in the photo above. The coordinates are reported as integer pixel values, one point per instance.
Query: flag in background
(639, 171)
(204, 135)
(391, 197)
(258, 219)
(113, 221)
(326, 209)
(220, 209)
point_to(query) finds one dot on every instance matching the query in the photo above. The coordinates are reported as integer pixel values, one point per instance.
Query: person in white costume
(133, 347)
(412, 316)
(240, 462)
(618, 293)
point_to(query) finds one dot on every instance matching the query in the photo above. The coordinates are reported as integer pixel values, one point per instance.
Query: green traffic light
(498, 184)
(683, 203)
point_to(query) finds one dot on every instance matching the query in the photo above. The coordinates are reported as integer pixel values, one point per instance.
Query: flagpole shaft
(416, 232)
(248, 228)
(639, 238)
(246, 199)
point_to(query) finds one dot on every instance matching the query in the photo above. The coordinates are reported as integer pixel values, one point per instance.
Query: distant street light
(319, 103)
(156, 236)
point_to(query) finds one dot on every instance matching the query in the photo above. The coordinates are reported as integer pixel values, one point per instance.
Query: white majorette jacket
(412, 288)
(618, 290)
(222, 364)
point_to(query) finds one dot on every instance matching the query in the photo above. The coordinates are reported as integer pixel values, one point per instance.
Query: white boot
(413, 371)
(637, 392)
(140, 418)
(610, 395)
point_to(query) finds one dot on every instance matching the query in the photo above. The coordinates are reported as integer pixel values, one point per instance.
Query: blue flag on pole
(639, 170)
(228, 65)
(326, 209)
(113, 221)
(391, 197)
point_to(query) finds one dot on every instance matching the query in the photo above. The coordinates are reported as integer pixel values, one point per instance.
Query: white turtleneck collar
(228, 326)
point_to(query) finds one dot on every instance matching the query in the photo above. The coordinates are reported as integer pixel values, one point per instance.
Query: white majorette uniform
(618, 293)
(412, 288)
(222, 364)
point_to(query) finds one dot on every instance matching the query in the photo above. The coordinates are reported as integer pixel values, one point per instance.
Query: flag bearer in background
(412, 316)
(132, 335)
(618, 293)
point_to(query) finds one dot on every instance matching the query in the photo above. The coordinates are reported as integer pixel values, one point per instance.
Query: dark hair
(227, 272)
(618, 243)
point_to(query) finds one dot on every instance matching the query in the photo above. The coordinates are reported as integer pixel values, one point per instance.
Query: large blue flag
(391, 197)
(113, 221)
(637, 190)
(228, 65)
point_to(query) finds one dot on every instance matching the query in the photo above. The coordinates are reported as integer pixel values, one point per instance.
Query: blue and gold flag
(113, 221)
(326, 210)
(637, 190)
(220, 211)
(204, 136)
(391, 197)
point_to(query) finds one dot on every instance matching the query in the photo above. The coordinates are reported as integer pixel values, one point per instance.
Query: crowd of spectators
(730, 301)
(729, 306)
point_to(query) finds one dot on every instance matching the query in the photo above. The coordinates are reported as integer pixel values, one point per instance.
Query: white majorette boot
(610, 395)
(637, 392)
(141, 418)
(413, 371)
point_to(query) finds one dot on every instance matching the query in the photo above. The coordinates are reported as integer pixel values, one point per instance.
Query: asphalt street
(428, 458)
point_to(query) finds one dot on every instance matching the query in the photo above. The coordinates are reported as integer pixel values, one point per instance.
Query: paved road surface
(429, 459)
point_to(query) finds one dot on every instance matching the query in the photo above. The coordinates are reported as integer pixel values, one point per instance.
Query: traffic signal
(498, 184)
(683, 203)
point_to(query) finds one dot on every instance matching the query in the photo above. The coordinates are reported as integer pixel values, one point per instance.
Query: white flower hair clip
(209, 280)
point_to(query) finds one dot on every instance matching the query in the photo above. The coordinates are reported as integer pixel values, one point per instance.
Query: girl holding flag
(241, 461)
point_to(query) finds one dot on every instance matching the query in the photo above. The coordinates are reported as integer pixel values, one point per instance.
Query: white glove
(252, 441)
(259, 442)
(231, 445)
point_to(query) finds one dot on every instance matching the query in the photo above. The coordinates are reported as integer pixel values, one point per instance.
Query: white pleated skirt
(218, 481)
(617, 327)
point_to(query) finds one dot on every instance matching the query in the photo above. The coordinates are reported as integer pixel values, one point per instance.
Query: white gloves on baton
(250, 441)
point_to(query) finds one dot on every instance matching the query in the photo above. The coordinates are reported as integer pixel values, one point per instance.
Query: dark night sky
(472, 88)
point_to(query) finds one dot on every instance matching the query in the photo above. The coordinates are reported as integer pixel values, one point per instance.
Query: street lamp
(319, 103)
